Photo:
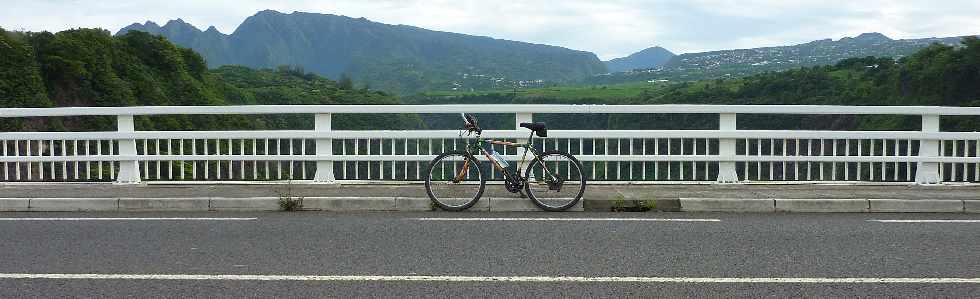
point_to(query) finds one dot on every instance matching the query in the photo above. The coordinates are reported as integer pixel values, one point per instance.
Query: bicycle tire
(564, 205)
(443, 203)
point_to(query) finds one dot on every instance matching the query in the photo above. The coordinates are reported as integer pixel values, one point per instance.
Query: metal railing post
(129, 170)
(726, 148)
(324, 147)
(928, 172)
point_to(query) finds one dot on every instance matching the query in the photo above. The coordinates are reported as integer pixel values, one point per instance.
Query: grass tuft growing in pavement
(620, 204)
(287, 201)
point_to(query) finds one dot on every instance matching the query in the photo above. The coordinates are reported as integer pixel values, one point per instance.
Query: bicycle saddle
(539, 128)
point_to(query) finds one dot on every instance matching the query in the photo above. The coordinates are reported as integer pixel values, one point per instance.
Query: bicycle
(553, 179)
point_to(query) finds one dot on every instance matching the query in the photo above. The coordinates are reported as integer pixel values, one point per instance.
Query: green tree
(345, 82)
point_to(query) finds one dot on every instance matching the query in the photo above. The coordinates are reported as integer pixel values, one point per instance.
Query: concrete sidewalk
(412, 197)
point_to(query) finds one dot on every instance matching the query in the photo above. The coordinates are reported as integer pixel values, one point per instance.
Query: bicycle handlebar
(470, 123)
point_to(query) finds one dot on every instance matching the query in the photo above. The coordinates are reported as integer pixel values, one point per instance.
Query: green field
(614, 91)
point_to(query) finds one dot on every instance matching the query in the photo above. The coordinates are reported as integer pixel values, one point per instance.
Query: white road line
(128, 219)
(571, 219)
(654, 279)
(925, 220)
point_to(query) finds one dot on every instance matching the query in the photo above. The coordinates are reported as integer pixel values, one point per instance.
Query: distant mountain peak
(654, 49)
(179, 23)
(213, 31)
(872, 35)
(644, 59)
(268, 12)
(868, 37)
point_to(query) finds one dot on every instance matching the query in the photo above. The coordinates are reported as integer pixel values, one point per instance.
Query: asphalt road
(264, 255)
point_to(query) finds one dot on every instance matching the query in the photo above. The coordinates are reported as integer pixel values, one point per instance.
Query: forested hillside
(937, 75)
(737, 63)
(90, 67)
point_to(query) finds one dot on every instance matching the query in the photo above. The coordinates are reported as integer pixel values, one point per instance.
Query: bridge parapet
(724, 155)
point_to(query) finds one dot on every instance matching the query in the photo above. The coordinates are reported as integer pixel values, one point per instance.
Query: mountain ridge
(398, 58)
(733, 63)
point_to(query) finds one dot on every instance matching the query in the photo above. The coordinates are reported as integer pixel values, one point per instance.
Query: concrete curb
(73, 204)
(14, 204)
(916, 206)
(495, 204)
(971, 206)
(164, 204)
(245, 204)
(727, 205)
(842, 205)
(349, 204)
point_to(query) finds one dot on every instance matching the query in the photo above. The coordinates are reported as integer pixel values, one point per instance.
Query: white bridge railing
(725, 155)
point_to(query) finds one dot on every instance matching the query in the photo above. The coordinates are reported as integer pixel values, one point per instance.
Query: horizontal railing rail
(725, 155)
(284, 134)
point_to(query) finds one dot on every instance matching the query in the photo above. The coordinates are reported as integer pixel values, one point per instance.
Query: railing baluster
(98, 152)
(963, 165)
(40, 165)
(846, 164)
(758, 165)
(796, 165)
(822, 153)
(17, 165)
(5, 167)
(206, 162)
(156, 144)
(783, 152)
(194, 162)
(113, 175)
(64, 165)
(29, 165)
(833, 165)
(656, 164)
(669, 177)
(884, 165)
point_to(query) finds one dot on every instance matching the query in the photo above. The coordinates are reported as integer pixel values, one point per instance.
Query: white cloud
(610, 28)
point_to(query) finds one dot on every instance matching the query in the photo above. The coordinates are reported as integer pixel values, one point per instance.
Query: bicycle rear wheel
(555, 181)
(454, 181)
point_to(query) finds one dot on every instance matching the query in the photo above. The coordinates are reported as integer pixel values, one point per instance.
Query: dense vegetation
(89, 67)
(395, 58)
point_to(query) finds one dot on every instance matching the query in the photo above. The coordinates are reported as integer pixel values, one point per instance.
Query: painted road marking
(925, 220)
(806, 280)
(128, 219)
(572, 219)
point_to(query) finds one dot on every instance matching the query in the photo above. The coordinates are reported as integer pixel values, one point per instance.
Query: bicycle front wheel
(454, 181)
(555, 181)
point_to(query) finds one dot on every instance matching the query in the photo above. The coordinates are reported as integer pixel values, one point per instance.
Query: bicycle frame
(474, 148)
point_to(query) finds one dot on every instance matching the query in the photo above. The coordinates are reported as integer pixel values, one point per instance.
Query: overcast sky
(610, 28)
